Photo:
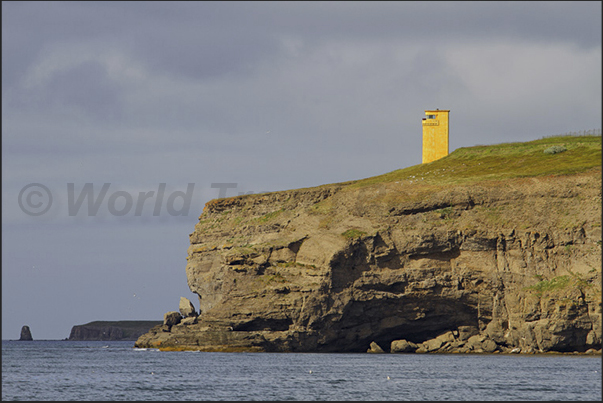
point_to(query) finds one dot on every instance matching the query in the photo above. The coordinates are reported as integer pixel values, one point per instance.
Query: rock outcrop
(501, 265)
(186, 308)
(25, 334)
(107, 330)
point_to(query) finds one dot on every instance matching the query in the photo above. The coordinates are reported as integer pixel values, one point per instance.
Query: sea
(108, 371)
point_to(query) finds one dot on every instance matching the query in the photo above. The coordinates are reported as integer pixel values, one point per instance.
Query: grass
(468, 165)
(353, 233)
(274, 278)
(446, 213)
(269, 216)
(559, 283)
(555, 283)
(296, 264)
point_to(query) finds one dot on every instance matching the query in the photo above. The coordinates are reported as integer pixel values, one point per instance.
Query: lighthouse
(435, 135)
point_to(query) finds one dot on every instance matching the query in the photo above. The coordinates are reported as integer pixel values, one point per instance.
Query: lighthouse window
(431, 116)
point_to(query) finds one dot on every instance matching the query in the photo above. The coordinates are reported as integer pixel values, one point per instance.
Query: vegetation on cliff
(470, 165)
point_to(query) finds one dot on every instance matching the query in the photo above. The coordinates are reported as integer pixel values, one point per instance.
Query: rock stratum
(491, 249)
(112, 330)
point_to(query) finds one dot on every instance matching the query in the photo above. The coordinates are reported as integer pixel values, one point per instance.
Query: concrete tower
(435, 135)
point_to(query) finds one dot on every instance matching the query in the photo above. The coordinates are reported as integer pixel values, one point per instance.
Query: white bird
(310, 371)
(388, 378)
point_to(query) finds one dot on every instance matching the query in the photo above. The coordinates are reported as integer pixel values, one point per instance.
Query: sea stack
(26, 334)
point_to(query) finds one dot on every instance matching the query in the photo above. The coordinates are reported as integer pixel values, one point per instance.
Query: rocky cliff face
(411, 264)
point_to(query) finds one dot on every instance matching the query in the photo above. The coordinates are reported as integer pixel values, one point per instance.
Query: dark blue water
(68, 370)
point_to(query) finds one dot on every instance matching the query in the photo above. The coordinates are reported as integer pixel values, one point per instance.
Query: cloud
(545, 89)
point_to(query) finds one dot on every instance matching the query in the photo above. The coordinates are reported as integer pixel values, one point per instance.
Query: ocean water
(78, 370)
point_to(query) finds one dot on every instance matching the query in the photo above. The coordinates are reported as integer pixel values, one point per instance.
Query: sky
(120, 120)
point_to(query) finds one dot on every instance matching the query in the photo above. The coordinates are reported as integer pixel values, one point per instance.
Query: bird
(310, 371)
(388, 378)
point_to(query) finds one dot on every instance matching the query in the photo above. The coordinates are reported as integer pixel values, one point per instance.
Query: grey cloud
(201, 39)
(85, 88)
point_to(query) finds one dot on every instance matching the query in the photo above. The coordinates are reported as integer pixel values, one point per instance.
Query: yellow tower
(435, 135)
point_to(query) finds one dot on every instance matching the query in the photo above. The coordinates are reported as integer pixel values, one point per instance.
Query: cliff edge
(490, 249)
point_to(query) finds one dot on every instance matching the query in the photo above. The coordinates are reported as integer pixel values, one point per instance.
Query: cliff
(490, 249)
(117, 330)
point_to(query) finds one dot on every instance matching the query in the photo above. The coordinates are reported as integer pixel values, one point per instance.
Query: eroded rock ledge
(508, 266)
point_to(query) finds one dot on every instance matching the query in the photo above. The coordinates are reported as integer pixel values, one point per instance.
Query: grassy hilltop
(547, 156)
(485, 165)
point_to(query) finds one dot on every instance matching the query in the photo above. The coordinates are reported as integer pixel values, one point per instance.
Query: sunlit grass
(501, 161)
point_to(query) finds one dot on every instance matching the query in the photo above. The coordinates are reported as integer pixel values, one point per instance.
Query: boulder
(475, 342)
(446, 337)
(25, 334)
(432, 344)
(467, 331)
(421, 349)
(482, 344)
(187, 308)
(375, 348)
(403, 346)
(171, 318)
(489, 346)
(496, 330)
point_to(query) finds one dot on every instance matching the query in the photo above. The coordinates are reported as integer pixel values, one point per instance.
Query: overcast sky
(154, 96)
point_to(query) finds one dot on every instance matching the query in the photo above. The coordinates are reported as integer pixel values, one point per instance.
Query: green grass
(573, 280)
(468, 165)
(269, 216)
(296, 264)
(353, 233)
(550, 285)
(274, 278)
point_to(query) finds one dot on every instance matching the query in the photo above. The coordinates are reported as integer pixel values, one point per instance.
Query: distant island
(112, 330)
